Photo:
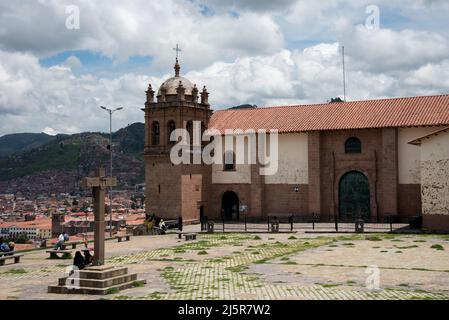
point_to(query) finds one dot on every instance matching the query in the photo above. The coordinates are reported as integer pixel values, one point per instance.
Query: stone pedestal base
(100, 280)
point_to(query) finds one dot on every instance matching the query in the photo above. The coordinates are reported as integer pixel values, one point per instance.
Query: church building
(370, 159)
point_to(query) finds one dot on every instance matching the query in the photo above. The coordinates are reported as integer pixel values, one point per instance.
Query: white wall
(293, 160)
(435, 174)
(292, 165)
(409, 155)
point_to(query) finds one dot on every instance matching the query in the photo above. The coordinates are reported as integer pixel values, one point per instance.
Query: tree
(334, 100)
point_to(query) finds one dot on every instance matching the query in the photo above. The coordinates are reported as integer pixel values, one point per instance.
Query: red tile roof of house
(44, 223)
(381, 113)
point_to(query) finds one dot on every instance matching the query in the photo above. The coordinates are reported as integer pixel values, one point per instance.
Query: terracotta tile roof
(397, 112)
(38, 223)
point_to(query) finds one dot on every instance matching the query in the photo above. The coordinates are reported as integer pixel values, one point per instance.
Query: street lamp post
(110, 111)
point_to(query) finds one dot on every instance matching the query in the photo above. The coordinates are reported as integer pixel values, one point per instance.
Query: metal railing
(307, 223)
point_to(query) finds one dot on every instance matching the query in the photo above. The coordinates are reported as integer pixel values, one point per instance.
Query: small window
(353, 145)
(203, 130)
(189, 129)
(171, 126)
(155, 133)
(229, 161)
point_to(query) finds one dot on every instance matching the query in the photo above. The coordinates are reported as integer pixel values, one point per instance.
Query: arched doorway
(230, 206)
(354, 197)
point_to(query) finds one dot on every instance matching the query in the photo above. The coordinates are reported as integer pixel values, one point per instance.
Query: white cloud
(242, 58)
(385, 50)
(34, 97)
(120, 29)
(50, 131)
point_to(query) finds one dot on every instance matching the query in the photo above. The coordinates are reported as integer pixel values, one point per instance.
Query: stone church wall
(334, 163)
(409, 170)
(242, 174)
(191, 189)
(435, 181)
(163, 191)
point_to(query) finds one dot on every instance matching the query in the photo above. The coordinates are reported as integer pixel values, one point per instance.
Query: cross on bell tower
(177, 67)
(178, 50)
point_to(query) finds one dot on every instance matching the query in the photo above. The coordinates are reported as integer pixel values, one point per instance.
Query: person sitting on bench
(162, 226)
(78, 261)
(60, 244)
(12, 247)
(4, 246)
(88, 258)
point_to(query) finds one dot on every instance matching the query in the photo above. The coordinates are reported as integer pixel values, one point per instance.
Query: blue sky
(260, 52)
(96, 62)
(391, 18)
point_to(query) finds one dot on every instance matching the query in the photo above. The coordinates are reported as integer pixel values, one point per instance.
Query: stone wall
(191, 196)
(163, 187)
(409, 156)
(435, 181)
(282, 199)
(335, 163)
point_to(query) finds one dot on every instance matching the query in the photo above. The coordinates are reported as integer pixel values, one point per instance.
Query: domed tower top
(169, 86)
(177, 91)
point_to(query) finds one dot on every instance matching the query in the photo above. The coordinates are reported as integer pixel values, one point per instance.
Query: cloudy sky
(54, 75)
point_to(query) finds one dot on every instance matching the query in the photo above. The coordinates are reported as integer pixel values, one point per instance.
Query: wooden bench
(190, 236)
(66, 254)
(127, 238)
(73, 244)
(7, 256)
(180, 234)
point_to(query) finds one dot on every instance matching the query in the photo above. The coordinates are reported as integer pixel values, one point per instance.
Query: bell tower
(174, 190)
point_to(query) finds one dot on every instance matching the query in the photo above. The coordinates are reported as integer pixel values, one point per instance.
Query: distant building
(45, 233)
(57, 224)
(14, 232)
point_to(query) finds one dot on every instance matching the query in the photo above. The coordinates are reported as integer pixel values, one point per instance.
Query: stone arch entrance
(354, 197)
(230, 206)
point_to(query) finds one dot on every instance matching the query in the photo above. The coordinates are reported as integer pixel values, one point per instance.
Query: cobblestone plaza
(241, 266)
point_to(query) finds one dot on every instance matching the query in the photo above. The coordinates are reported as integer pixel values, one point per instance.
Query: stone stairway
(96, 281)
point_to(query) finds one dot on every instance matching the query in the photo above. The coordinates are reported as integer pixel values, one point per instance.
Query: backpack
(66, 237)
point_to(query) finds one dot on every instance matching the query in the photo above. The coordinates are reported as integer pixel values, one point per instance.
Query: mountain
(12, 143)
(58, 165)
(131, 139)
(244, 106)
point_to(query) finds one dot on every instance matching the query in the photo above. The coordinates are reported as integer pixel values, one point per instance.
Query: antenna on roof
(344, 73)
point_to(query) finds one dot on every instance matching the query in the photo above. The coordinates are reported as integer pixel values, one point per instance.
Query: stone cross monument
(98, 279)
(99, 184)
